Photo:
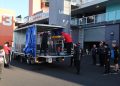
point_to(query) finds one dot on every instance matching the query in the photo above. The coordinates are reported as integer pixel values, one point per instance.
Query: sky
(19, 6)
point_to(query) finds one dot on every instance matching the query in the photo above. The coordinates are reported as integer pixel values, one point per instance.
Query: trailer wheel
(32, 61)
(28, 61)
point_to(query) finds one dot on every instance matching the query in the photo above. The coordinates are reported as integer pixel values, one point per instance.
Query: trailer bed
(56, 56)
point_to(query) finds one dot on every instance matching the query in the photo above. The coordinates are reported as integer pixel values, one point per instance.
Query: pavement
(57, 74)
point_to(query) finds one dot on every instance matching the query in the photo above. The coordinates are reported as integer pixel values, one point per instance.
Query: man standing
(107, 55)
(68, 41)
(78, 53)
(116, 57)
(94, 54)
(7, 53)
(72, 58)
(101, 53)
(44, 44)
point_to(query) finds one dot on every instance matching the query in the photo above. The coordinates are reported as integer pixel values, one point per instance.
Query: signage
(36, 17)
(67, 7)
(6, 20)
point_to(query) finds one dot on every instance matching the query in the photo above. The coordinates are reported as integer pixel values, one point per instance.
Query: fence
(108, 16)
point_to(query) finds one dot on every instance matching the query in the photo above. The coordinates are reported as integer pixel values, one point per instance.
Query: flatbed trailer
(20, 43)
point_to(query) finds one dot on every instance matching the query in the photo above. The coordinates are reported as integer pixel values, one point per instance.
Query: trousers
(1, 70)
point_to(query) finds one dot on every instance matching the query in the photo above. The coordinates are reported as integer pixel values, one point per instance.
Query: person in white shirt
(2, 60)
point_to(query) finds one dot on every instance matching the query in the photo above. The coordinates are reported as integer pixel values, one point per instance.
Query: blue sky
(19, 6)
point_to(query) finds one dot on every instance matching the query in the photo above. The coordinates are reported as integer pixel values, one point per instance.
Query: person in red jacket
(7, 53)
(68, 41)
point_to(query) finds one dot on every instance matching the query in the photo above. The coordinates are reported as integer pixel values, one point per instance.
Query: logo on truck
(6, 20)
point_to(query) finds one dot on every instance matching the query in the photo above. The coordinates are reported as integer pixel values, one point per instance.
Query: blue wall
(113, 10)
(109, 38)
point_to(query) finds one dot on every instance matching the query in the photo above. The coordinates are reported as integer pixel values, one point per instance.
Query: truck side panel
(19, 40)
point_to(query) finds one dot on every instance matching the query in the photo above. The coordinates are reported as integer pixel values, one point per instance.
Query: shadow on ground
(90, 75)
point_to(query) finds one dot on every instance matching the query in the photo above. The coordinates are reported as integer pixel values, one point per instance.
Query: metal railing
(86, 1)
(81, 2)
(104, 17)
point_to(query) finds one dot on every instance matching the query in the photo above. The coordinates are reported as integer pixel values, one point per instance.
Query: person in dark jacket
(44, 44)
(94, 54)
(116, 57)
(107, 55)
(78, 53)
(72, 58)
(101, 53)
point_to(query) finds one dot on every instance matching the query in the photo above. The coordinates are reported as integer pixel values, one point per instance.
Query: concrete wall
(36, 6)
(57, 16)
(55, 7)
(75, 35)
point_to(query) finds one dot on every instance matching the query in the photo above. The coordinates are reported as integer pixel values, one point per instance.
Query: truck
(27, 44)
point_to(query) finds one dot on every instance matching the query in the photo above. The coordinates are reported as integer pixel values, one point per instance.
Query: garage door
(94, 34)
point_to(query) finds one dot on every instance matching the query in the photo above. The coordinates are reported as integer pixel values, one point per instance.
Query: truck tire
(28, 61)
(32, 61)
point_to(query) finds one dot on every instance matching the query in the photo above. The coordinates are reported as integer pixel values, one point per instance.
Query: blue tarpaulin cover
(30, 45)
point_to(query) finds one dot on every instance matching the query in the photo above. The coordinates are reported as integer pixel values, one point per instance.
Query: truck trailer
(27, 44)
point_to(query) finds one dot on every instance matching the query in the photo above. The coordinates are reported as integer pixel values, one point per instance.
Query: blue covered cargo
(30, 45)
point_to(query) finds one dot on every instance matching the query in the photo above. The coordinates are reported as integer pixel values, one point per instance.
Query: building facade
(98, 20)
(55, 12)
(7, 25)
(91, 21)
(37, 6)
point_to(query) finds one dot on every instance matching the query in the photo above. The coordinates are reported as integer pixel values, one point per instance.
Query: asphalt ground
(57, 74)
